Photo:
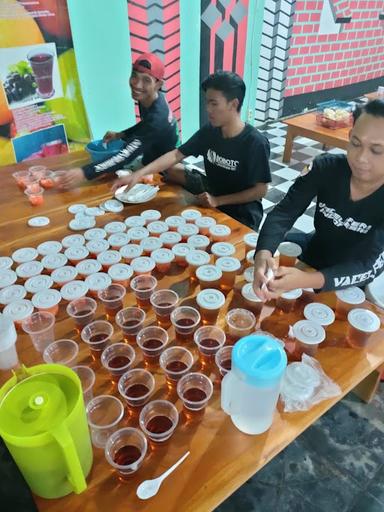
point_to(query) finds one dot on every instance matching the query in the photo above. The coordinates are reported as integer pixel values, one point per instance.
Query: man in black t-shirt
(347, 246)
(154, 135)
(235, 156)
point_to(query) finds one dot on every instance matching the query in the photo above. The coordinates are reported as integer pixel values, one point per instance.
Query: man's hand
(263, 262)
(130, 181)
(290, 278)
(111, 136)
(71, 178)
(208, 200)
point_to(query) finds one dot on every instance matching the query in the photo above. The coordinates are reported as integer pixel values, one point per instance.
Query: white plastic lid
(46, 299)
(157, 226)
(119, 239)
(94, 211)
(64, 274)
(299, 381)
(134, 221)
(320, 313)
(205, 222)
(97, 246)
(170, 237)
(290, 249)
(142, 264)
(98, 281)
(11, 293)
(29, 269)
(249, 274)
(73, 240)
(188, 229)
(131, 251)
(181, 249)
(198, 241)
(151, 243)
(5, 262)
(74, 290)
(7, 277)
(248, 293)
(88, 267)
(220, 230)
(109, 257)
(78, 224)
(76, 208)
(38, 222)
(120, 272)
(24, 254)
(112, 205)
(308, 332)
(77, 252)
(228, 264)
(115, 227)
(364, 320)
(223, 249)
(210, 298)
(49, 247)
(197, 258)
(162, 256)
(208, 273)
(19, 309)
(95, 234)
(37, 283)
(52, 261)
(292, 294)
(174, 221)
(351, 295)
(138, 233)
(251, 256)
(251, 239)
(150, 215)
(190, 215)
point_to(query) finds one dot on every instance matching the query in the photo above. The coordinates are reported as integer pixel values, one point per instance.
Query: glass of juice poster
(41, 61)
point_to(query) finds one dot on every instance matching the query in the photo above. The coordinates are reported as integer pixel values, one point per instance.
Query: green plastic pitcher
(44, 425)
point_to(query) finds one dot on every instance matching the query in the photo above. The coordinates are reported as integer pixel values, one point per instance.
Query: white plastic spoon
(150, 488)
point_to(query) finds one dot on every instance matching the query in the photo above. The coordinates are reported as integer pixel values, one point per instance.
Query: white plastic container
(8, 336)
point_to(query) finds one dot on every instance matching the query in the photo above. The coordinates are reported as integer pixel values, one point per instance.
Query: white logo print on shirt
(349, 223)
(220, 161)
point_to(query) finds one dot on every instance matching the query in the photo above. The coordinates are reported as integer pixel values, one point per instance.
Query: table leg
(367, 388)
(288, 145)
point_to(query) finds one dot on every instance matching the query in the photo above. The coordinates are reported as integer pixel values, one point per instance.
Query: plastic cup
(209, 339)
(97, 282)
(169, 239)
(240, 322)
(362, 323)
(117, 359)
(97, 246)
(47, 180)
(137, 234)
(130, 252)
(12, 293)
(7, 278)
(104, 413)
(54, 261)
(289, 252)
(250, 258)
(204, 223)
(348, 299)
(250, 242)
(35, 194)
(222, 249)
(157, 227)
(88, 267)
(287, 301)
(223, 359)
(130, 321)
(143, 286)
(163, 303)
(120, 273)
(308, 296)
(47, 301)
(125, 451)
(108, 258)
(118, 240)
(150, 215)
(20, 178)
(190, 215)
(175, 362)
(74, 290)
(24, 254)
(200, 242)
(5, 262)
(76, 254)
(73, 241)
(29, 269)
(49, 247)
(142, 266)
(319, 313)
(63, 275)
(219, 233)
(181, 251)
(61, 352)
(152, 341)
(185, 321)
(136, 386)
(150, 244)
(19, 310)
(194, 390)
(95, 234)
(229, 267)
(112, 299)
(158, 420)
(163, 259)
(308, 336)
(115, 227)
(209, 276)
(174, 221)
(41, 329)
(135, 221)
(82, 311)
(196, 259)
(97, 335)
(187, 230)
(8, 353)
(37, 283)
(87, 378)
(210, 301)
(252, 301)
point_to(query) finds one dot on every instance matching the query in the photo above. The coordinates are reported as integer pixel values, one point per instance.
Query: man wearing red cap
(154, 135)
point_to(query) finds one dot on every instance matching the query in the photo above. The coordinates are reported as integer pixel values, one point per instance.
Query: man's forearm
(162, 163)
(245, 196)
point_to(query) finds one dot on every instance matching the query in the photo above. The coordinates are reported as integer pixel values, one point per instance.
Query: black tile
(277, 180)
(298, 155)
(299, 166)
(291, 500)
(275, 195)
(366, 503)
(251, 497)
(311, 211)
(274, 155)
(376, 486)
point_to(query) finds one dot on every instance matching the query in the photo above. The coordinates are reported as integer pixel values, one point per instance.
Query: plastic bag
(305, 384)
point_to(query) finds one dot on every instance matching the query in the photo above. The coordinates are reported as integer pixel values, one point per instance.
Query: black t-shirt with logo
(348, 243)
(233, 165)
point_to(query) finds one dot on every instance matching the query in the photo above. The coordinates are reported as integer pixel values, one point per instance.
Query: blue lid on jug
(259, 359)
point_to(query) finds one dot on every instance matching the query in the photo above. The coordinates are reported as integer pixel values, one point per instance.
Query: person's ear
(235, 104)
(159, 84)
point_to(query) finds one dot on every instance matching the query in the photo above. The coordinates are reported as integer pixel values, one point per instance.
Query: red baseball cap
(151, 64)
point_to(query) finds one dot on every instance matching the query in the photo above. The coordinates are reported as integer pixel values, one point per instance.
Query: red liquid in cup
(111, 312)
(42, 65)
(136, 390)
(84, 319)
(130, 337)
(209, 343)
(127, 455)
(117, 362)
(159, 424)
(176, 366)
(101, 341)
(164, 321)
(227, 364)
(195, 395)
(152, 343)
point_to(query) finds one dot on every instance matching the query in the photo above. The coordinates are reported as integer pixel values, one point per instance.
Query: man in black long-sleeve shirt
(154, 135)
(347, 247)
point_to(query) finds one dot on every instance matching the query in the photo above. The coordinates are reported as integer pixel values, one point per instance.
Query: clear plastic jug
(249, 392)
(43, 423)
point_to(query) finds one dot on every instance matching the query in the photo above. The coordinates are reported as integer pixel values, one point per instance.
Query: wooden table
(305, 126)
(222, 458)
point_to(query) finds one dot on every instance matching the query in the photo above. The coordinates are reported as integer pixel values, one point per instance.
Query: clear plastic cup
(251, 300)
(130, 321)
(143, 286)
(223, 359)
(362, 323)
(76, 254)
(185, 321)
(54, 261)
(150, 244)
(104, 413)
(196, 259)
(73, 241)
(209, 339)
(125, 451)
(35, 194)
(210, 301)
(135, 221)
(163, 259)
(240, 322)
(163, 303)
(308, 336)
(12, 293)
(37, 171)
(320, 313)
(47, 301)
(204, 223)
(95, 234)
(289, 252)
(97, 282)
(63, 275)
(97, 335)
(96, 247)
(219, 233)
(112, 299)
(158, 420)
(142, 265)
(136, 386)
(250, 258)
(229, 267)
(118, 240)
(152, 341)
(21, 177)
(209, 276)
(74, 290)
(62, 352)
(108, 258)
(37, 283)
(250, 242)
(117, 359)
(157, 227)
(187, 230)
(150, 215)
(49, 247)
(88, 267)
(175, 362)
(8, 353)
(180, 251)
(200, 242)
(174, 221)
(19, 310)
(190, 215)
(169, 239)
(87, 378)
(120, 273)
(194, 390)
(115, 227)
(82, 311)
(41, 329)
(287, 301)
(29, 269)
(308, 296)
(222, 249)
(130, 252)
(348, 299)
(138, 234)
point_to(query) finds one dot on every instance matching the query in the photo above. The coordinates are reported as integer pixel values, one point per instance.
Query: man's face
(220, 110)
(143, 86)
(365, 152)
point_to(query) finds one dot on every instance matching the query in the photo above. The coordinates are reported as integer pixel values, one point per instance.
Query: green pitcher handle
(75, 472)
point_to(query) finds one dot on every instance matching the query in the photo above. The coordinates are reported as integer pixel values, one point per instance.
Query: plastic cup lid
(162, 256)
(198, 241)
(134, 221)
(151, 243)
(29, 269)
(78, 252)
(205, 222)
(50, 247)
(151, 214)
(223, 249)
(19, 309)
(131, 251)
(220, 230)
(170, 237)
(308, 332)
(249, 274)
(197, 258)
(228, 264)
(11, 293)
(76, 208)
(302, 374)
(181, 249)
(364, 320)
(157, 226)
(351, 295)
(64, 274)
(109, 257)
(175, 221)
(138, 233)
(97, 246)
(113, 205)
(73, 240)
(292, 294)
(187, 229)
(81, 224)
(251, 256)
(94, 211)
(46, 299)
(119, 239)
(24, 254)
(95, 234)
(88, 267)
(98, 281)
(115, 227)
(5, 262)
(74, 290)
(208, 273)
(210, 298)
(52, 261)
(142, 264)
(7, 277)
(320, 313)
(191, 214)
(38, 222)
(251, 239)
(290, 249)
(248, 293)
(37, 283)
(120, 272)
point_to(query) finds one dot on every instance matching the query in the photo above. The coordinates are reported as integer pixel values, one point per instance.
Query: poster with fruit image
(39, 83)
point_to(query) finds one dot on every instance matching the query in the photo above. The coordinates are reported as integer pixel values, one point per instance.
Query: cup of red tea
(223, 359)
(289, 252)
(150, 244)
(204, 223)
(187, 230)
(152, 341)
(222, 250)
(219, 232)
(173, 222)
(130, 321)
(209, 276)
(136, 386)
(200, 242)
(250, 242)
(97, 335)
(143, 265)
(112, 299)
(157, 227)
(209, 339)
(169, 239)
(252, 301)
(143, 287)
(163, 303)
(150, 215)
(210, 302)
(196, 259)
(180, 250)
(176, 362)
(229, 267)
(158, 420)
(287, 301)
(163, 259)
(82, 311)
(240, 323)
(21, 177)
(35, 194)
(308, 336)
(117, 359)
(190, 215)
(47, 179)
(120, 273)
(194, 390)
(185, 320)
(125, 451)
(347, 299)
(130, 252)
(362, 324)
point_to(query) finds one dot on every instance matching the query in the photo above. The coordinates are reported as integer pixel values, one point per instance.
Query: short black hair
(230, 84)
(374, 108)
